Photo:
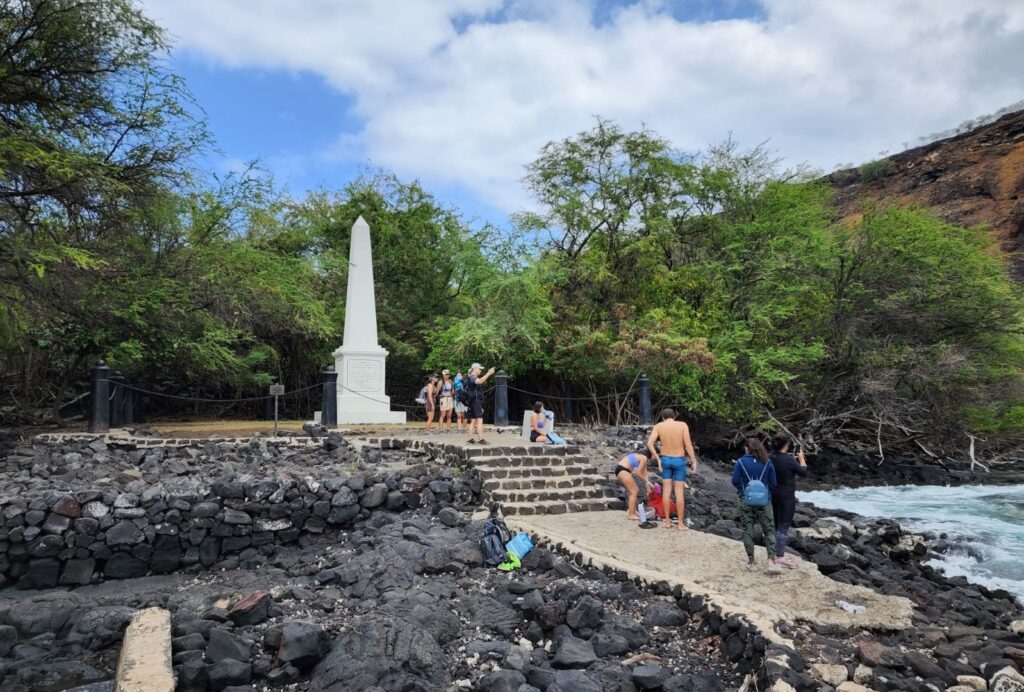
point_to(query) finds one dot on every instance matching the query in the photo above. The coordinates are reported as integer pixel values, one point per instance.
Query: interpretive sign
(277, 390)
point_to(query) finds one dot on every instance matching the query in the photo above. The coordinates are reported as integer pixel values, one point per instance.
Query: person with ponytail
(787, 468)
(754, 480)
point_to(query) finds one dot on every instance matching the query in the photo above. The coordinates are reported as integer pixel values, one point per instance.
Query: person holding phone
(787, 468)
(474, 386)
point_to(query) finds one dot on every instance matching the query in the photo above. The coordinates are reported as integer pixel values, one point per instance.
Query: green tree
(926, 332)
(92, 130)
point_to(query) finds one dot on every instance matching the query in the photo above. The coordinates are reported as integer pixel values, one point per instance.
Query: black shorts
(534, 435)
(476, 409)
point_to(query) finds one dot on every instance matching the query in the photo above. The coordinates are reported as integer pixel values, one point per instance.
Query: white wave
(987, 522)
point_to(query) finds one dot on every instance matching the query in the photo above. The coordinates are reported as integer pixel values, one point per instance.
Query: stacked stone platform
(523, 479)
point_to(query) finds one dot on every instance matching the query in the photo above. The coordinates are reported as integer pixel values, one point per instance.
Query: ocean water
(984, 522)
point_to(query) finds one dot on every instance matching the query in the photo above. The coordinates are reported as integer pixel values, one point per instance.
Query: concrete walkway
(712, 566)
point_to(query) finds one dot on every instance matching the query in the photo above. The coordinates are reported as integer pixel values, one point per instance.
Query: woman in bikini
(635, 462)
(537, 421)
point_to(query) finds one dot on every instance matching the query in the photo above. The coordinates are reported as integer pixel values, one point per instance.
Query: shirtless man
(676, 448)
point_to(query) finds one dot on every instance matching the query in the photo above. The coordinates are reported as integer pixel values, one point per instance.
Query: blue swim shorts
(673, 468)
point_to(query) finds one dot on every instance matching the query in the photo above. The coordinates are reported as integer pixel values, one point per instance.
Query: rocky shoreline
(314, 610)
(394, 597)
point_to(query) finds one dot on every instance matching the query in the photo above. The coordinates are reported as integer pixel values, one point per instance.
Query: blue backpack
(756, 494)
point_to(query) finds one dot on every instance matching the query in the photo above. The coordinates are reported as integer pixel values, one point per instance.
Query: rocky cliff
(972, 179)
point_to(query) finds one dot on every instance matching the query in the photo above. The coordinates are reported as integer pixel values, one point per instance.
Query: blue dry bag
(520, 545)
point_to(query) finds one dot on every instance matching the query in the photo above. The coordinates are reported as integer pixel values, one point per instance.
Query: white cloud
(467, 91)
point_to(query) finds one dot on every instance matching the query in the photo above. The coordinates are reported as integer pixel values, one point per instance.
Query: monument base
(361, 397)
(356, 417)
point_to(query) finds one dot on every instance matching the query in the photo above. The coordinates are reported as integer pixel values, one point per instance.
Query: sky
(462, 94)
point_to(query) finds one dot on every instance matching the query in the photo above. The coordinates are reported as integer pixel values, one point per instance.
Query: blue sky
(288, 122)
(461, 94)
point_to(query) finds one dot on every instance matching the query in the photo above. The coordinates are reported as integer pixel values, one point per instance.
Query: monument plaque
(360, 360)
(364, 375)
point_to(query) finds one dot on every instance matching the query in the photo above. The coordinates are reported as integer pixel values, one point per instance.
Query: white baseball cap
(475, 366)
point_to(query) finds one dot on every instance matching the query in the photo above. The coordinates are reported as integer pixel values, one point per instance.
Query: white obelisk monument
(360, 360)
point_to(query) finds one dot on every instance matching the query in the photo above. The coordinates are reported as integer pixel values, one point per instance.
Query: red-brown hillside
(972, 179)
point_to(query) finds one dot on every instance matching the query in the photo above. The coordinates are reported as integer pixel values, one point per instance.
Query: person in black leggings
(787, 468)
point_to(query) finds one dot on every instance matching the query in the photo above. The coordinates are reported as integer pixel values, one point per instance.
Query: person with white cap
(476, 401)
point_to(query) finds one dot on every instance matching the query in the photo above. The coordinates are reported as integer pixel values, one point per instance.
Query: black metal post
(567, 402)
(99, 406)
(117, 400)
(501, 398)
(329, 406)
(644, 385)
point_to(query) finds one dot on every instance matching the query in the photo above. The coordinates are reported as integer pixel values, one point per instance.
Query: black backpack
(499, 528)
(492, 545)
(462, 395)
(493, 551)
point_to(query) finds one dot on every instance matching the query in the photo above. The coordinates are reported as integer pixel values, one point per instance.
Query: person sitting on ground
(787, 468)
(476, 402)
(429, 402)
(755, 465)
(446, 391)
(460, 408)
(631, 473)
(537, 421)
(676, 448)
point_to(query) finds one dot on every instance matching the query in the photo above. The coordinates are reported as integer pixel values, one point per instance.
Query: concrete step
(529, 462)
(534, 472)
(545, 482)
(493, 450)
(540, 496)
(528, 508)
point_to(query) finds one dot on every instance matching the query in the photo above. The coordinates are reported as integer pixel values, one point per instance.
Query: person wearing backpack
(460, 408)
(754, 479)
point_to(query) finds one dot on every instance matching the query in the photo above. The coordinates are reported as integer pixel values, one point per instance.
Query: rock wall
(80, 512)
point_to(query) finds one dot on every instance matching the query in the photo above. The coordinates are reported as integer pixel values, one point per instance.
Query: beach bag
(756, 494)
(520, 546)
(654, 498)
(555, 439)
(421, 398)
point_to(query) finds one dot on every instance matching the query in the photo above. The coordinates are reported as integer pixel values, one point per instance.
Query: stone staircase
(525, 479)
